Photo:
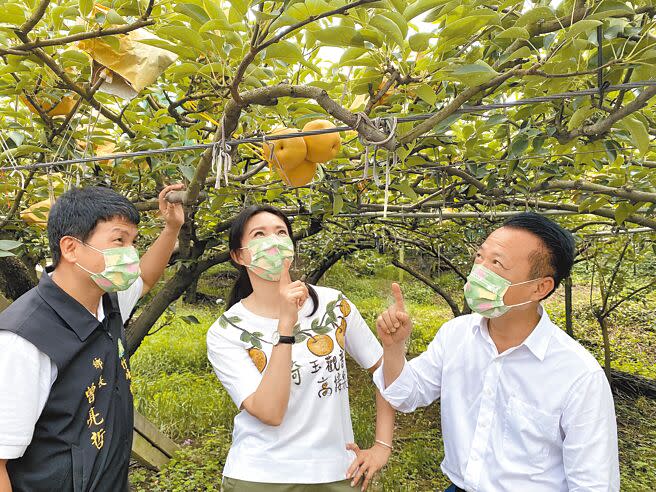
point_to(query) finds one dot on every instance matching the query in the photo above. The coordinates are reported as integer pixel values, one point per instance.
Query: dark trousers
(454, 488)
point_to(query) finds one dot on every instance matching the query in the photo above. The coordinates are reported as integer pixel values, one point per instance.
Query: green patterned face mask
(268, 255)
(484, 292)
(121, 268)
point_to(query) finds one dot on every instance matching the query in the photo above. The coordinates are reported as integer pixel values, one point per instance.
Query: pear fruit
(324, 147)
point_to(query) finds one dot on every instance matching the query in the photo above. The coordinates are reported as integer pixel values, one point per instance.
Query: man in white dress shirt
(523, 406)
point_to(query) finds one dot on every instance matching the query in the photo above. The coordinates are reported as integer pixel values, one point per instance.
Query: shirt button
(474, 458)
(488, 391)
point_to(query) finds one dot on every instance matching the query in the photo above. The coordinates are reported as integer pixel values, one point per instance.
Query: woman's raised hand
(293, 296)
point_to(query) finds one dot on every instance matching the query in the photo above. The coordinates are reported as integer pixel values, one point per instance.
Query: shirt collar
(74, 314)
(538, 340)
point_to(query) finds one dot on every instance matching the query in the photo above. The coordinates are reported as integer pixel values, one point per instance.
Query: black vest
(83, 438)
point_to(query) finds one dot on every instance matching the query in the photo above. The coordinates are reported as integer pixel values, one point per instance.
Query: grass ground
(175, 388)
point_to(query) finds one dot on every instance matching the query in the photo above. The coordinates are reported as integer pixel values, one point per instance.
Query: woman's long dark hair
(243, 287)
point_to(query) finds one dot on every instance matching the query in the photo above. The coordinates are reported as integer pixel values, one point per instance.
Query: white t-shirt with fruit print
(310, 444)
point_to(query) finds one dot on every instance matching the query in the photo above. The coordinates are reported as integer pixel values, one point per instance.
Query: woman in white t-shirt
(279, 350)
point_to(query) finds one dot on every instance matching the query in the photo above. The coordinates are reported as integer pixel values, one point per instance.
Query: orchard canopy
(454, 114)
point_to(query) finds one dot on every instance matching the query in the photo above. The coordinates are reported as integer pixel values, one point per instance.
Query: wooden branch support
(150, 446)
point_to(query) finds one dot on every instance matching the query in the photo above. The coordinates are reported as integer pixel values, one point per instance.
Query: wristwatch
(277, 338)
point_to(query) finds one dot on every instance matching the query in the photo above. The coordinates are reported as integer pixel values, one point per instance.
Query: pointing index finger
(398, 297)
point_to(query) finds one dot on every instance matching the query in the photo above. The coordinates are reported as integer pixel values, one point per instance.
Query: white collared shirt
(538, 417)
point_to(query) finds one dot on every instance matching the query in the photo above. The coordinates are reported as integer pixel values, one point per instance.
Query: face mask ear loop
(517, 305)
(89, 272)
(526, 281)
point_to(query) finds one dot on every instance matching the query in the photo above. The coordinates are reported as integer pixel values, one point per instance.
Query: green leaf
(213, 9)
(399, 5)
(405, 188)
(113, 17)
(190, 319)
(420, 41)
(579, 116)
(4, 254)
(399, 20)
(245, 336)
(352, 53)
(166, 45)
(12, 14)
(195, 12)
(519, 145)
(113, 42)
(388, 28)
(85, 7)
(622, 211)
(337, 36)
(638, 131)
(256, 343)
(609, 8)
(535, 15)
(421, 6)
(183, 34)
(8, 244)
(216, 25)
(513, 33)
(475, 73)
(239, 8)
(523, 52)
(461, 29)
(222, 322)
(582, 26)
(21, 151)
(338, 204)
(187, 171)
(598, 203)
(289, 53)
(426, 93)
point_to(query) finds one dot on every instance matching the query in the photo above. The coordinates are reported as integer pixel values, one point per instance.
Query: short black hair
(557, 258)
(77, 212)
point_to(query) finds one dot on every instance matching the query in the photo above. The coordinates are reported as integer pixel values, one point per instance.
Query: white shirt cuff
(8, 452)
(400, 388)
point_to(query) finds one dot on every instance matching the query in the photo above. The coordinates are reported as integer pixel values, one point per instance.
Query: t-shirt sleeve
(127, 299)
(360, 341)
(232, 365)
(25, 379)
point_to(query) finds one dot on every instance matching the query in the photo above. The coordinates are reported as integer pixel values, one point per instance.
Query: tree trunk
(603, 323)
(136, 331)
(441, 292)
(331, 259)
(191, 295)
(15, 277)
(569, 325)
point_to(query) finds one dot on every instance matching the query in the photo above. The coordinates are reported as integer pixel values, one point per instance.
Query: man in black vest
(66, 410)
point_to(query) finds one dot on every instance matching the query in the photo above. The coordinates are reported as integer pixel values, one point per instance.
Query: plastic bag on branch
(130, 68)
